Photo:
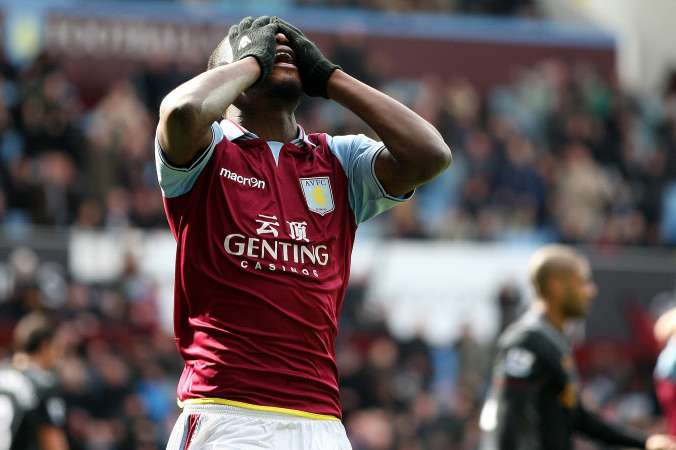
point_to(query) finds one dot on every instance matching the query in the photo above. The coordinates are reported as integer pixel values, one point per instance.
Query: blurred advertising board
(104, 41)
(78, 37)
(438, 288)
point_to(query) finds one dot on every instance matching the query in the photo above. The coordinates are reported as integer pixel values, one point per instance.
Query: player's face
(578, 291)
(284, 70)
(284, 81)
(54, 351)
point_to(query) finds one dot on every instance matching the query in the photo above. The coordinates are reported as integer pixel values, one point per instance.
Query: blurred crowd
(119, 367)
(557, 152)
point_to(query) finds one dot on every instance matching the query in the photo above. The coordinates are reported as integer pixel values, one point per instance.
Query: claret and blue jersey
(264, 234)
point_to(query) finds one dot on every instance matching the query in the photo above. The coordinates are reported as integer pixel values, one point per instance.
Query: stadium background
(562, 118)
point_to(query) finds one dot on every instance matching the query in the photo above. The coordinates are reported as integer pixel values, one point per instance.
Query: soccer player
(665, 369)
(264, 215)
(535, 401)
(32, 413)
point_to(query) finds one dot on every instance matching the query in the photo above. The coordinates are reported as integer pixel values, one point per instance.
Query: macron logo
(244, 181)
(244, 42)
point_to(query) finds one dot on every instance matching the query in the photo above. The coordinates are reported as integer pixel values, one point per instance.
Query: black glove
(255, 38)
(313, 67)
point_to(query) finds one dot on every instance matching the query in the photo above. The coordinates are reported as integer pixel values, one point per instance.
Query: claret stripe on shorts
(189, 428)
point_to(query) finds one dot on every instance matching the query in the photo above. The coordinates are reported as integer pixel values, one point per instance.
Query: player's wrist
(333, 83)
(321, 73)
(660, 442)
(253, 68)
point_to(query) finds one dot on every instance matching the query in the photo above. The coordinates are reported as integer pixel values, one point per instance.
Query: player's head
(282, 85)
(665, 327)
(34, 336)
(562, 278)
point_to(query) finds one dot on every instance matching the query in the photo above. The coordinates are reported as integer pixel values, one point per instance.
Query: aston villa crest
(318, 194)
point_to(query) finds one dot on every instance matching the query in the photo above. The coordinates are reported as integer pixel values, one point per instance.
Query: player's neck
(270, 124)
(22, 361)
(553, 315)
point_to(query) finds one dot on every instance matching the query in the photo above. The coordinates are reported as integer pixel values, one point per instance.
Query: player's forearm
(206, 96)
(415, 144)
(597, 428)
(188, 111)
(52, 438)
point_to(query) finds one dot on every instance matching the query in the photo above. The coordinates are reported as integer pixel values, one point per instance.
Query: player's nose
(281, 39)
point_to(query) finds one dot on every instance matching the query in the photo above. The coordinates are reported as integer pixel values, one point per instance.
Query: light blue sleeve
(357, 154)
(665, 369)
(175, 181)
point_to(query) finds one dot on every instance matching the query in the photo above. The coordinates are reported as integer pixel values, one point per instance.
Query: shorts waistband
(223, 406)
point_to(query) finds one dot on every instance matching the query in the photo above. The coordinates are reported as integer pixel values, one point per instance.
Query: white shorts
(222, 427)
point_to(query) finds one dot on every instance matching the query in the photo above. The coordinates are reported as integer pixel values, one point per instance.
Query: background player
(32, 414)
(665, 369)
(535, 402)
(264, 216)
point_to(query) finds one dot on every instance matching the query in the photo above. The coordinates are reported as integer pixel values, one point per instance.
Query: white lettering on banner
(76, 35)
(244, 181)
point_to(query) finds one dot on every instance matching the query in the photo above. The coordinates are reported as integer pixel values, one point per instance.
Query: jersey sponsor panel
(264, 252)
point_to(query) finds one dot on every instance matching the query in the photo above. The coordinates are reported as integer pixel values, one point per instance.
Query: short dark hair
(219, 54)
(32, 332)
(552, 260)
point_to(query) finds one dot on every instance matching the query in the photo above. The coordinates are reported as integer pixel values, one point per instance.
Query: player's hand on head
(660, 442)
(314, 68)
(255, 37)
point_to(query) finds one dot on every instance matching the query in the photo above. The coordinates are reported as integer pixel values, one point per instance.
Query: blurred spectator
(583, 195)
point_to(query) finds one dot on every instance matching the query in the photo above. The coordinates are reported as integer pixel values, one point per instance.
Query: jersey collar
(556, 336)
(233, 131)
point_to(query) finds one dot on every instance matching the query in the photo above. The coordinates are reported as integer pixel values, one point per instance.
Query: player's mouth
(284, 56)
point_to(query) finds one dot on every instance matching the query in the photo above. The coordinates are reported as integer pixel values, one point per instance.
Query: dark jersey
(534, 403)
(28, 400)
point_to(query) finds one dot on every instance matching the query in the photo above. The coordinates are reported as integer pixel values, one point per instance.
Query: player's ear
(555, 286)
